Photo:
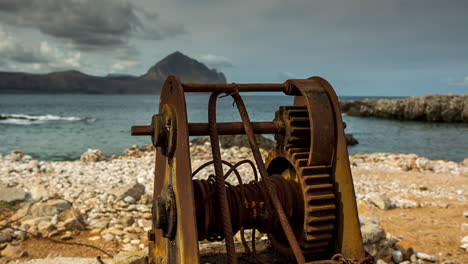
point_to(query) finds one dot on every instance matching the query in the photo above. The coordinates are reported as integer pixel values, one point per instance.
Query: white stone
(135, 241)
(129, 200)
(108, 237)
(425, 257)
(381, 201)
(397, 256)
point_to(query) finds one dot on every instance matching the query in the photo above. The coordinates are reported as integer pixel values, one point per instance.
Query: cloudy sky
(363, 47)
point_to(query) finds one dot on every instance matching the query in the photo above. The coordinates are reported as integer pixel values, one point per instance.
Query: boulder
(371, 231)
(39, 192)
(11, 195)
(48, 208)
(50, 211)
(74, 224)
(380, 200)
(6, 236)
(13, 252)
(375, 240)
(134, 191)
(351, 140)
(93, 155)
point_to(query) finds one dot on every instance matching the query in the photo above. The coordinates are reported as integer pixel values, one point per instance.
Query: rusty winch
(304, 199)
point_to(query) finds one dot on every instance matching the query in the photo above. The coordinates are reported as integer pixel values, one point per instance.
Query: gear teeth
(321, 228)
(292, 151)
(325, 218)
(316, 181)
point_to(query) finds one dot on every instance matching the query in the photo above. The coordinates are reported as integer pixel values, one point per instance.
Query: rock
(11, 195)
(115, 231)
(74, 224)
(404, 246)
(381, 201)
(133, 190)
(128, 247)
(135, 241)
(351, 140)
(129, 200)
(433, 108)
(425, 257)
(45, 227)
(465, 214)
(39, 192)
(380, 261)
(397, 256)
(94, 238)
(130, 257)
(147, 216)
(6, 236)
(49, 208)
(13, 252)
(371, 231)
(464, 243)
(93, 155)
(138, 151)
(108, 237)
(66, 236)
(127, 221)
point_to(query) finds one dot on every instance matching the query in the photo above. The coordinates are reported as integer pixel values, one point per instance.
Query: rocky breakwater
(434, 108)
(109, 199)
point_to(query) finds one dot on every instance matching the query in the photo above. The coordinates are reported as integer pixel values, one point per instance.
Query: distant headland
(75, 82)
(433, 108)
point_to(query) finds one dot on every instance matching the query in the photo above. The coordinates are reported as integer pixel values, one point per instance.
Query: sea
(62, 127)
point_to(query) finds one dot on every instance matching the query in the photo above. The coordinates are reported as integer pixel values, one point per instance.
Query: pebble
(94, 238)
(129, 199)
(135, 241)
(108, 237)
(425, 257)
(66, 236)
(397, 256)
(129, 247)
(464, 243)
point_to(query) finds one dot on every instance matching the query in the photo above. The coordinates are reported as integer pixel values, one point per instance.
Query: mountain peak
(185, 68)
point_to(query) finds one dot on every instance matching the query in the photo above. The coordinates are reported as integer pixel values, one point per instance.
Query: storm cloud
(88, 24)
(363, 47)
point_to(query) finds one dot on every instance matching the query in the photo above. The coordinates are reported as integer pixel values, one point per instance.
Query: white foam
(22, 119)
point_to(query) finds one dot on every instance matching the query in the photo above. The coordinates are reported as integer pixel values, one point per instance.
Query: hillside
(184, 67)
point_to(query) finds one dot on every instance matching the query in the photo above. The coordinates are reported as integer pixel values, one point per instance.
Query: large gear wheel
(290, 159)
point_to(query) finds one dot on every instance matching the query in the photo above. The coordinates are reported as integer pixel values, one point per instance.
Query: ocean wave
(22, 119)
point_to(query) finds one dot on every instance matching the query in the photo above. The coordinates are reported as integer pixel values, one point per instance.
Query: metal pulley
(303, 199)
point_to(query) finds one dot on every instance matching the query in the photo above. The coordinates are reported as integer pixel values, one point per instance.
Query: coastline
(111, 197)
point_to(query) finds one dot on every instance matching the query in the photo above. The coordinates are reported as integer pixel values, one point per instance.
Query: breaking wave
(22, 119)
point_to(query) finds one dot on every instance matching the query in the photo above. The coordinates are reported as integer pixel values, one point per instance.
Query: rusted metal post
(228, 128)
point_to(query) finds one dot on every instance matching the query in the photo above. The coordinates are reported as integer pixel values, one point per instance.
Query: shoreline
(107, 201)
